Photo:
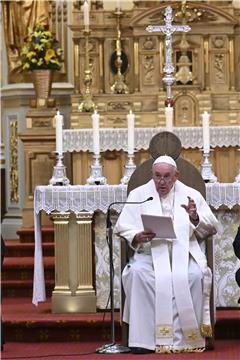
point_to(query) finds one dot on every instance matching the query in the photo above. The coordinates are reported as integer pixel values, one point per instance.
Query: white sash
(163, 291)
(188, 321)
(174, 282)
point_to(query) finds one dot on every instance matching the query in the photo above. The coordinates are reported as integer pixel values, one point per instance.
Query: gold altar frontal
(74, 279)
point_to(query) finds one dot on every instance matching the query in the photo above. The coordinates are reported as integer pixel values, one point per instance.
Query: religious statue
(18, 16)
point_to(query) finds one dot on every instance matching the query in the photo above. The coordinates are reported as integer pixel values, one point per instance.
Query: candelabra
(206, 172)
(59, 173)
(129, 169)
(87, 104)
(96, 177)
(119, 86)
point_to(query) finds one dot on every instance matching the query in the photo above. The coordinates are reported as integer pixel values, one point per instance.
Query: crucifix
(168, 29)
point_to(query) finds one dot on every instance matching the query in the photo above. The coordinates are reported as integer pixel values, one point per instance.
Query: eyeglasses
(166, 178)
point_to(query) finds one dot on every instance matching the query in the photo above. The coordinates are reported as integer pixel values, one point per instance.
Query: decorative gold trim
(192, 335)
(87, 104)
(164, 349)
(164, 331)
(101, 59)
(84, 250)
(206, 58)
(14, 162)
(136, 63)
(76, 59)
(206, 330)
(231, 55)
(160, 56)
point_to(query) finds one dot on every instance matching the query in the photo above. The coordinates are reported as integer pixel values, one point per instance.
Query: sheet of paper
(162, 226)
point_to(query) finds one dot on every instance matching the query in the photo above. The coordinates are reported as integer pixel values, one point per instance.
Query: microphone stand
(112, 348)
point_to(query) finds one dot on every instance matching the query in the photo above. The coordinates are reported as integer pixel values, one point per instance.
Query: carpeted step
(16, 248)
(228, 323)
(25, 322)
(20, 288)
(26, 234)
(18, 268)
(23, 268)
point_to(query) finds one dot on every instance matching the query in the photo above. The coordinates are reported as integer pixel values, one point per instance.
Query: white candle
(118, 4)
(130, 120)
(206, 135)
(59, 133)
(169, 117)
(86, 13)
(95, 126)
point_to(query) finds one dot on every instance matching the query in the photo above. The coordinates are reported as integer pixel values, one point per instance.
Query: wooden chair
(167, 143)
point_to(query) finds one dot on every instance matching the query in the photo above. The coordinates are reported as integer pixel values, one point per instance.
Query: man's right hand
(143, 237)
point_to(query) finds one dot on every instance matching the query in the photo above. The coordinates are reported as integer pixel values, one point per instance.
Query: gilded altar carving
(14, 178)
(185, 110)
(148, 70)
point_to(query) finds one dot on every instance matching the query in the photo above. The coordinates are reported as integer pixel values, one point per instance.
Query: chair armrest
(126, 252)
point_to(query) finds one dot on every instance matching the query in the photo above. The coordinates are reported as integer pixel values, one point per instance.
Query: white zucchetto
(165, 159)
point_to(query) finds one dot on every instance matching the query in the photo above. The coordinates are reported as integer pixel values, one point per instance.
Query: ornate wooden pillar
(74, 284)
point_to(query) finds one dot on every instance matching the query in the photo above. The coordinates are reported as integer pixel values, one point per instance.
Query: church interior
(74, 131)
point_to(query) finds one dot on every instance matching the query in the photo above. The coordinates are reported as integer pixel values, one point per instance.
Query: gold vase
(42, 82)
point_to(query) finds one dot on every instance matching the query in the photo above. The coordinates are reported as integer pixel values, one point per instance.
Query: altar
(78, 211)
(82, 262)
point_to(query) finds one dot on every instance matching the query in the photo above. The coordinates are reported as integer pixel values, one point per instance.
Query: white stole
(174, 283)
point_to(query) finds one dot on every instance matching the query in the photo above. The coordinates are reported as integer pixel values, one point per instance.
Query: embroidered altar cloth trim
(116, 139)
(77, 198)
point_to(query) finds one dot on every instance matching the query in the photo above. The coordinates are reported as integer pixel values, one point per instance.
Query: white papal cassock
(167, 287)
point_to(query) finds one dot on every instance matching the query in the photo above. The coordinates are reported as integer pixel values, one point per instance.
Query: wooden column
(74, 285)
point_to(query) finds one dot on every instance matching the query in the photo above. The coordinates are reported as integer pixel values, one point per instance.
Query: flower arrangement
(41, 50)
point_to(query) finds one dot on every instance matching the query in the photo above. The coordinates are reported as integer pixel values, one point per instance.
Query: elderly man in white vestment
(167, 283)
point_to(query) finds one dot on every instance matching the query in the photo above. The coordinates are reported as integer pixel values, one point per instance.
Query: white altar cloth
(77, 198)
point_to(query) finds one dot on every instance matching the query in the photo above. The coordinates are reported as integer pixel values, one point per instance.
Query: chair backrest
(167, 143)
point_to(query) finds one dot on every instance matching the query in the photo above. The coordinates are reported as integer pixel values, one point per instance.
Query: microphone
(109, 223)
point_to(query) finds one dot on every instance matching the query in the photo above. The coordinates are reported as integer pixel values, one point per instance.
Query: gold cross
(192, 335)
(164, 330)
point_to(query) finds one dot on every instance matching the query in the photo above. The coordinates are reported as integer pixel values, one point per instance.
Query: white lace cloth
(91, 198)
(116, 139)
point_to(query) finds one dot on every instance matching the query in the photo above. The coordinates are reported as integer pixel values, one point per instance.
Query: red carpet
(224, 350)
(37, 327)
(26, 322)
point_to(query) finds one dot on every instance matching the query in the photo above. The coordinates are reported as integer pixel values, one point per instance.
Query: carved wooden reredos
(207, 71)
(206, 59)
(206, 62)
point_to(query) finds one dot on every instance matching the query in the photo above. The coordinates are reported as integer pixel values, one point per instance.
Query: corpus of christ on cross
(168, 29)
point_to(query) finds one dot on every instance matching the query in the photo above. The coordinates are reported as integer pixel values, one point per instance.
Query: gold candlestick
(119, 86)
(87, 104)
